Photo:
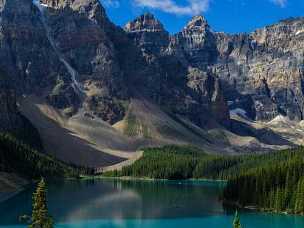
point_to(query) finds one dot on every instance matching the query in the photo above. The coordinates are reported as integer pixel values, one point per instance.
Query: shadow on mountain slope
(264, 135)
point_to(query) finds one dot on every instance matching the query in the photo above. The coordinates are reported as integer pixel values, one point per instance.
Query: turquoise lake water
(144, 204)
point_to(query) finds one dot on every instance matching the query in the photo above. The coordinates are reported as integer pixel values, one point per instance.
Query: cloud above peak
(193, 7)
(281, 3)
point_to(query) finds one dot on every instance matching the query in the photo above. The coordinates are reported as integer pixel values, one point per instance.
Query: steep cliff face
(28, 54)
(177, 82)
(79, 31)
(267, 65)
(78, 69)
(197, 42)
(24, 50)
(148, 33)
(84, 62)
(262, 72)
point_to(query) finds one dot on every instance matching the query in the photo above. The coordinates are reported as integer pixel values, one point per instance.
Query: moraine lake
(144, 204)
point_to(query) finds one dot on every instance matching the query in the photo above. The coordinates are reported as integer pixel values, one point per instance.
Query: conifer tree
(237, 221)
(299, 205)
(40, 216)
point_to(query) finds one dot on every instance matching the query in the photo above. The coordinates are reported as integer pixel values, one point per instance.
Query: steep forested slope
(142, 86)
(275, 183)
(20, 158)
(271, 181)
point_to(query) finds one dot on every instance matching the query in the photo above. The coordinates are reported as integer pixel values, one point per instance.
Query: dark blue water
(114, 203)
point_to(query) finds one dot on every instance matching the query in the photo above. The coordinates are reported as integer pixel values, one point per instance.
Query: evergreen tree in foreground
(40, 216)
(237, 221)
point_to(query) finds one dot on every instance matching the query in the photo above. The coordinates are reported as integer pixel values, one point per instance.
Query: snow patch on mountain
(280, 119)
(238, 112)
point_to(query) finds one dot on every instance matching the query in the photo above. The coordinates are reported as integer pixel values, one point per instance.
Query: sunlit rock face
(267, 65)
(145, 23)
(64, 51)
(68, 52)
(261, 72)
(148, 33)
(82, 35)
(197, 42)
(174, 79)
(26, 52)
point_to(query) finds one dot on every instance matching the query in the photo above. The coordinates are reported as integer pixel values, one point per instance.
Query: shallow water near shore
(130, 203)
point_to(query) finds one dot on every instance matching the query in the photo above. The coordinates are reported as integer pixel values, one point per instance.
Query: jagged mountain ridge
(262, 71)
(120, 89)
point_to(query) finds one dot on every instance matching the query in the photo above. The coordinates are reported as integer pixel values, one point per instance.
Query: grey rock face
(197, 42)
(80, 30)
(71, 54)
(61, 50)
(266, 65)
(261, 72)
(148, 33)
(26, 52)
(177, 81)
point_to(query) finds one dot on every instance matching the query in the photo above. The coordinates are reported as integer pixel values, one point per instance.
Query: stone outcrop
(261, 72)
(27, 54)
(71, 54)
(68, 52)
(82, 35)
(197, 43)
(174, 80)
(266, 65)
(148, 33)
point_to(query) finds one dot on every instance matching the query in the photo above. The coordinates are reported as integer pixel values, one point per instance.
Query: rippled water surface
(162, 204)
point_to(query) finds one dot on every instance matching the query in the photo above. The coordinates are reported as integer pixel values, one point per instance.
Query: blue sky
(230, 16)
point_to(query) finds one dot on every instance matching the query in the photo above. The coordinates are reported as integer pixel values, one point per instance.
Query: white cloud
(193, 7)
(111, 3)
(281, 3)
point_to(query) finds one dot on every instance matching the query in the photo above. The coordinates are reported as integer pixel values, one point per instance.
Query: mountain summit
(97, 93)
(145, 23)
(197, 22)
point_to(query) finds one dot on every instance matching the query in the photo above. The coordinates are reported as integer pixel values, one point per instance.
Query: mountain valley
(98, 93)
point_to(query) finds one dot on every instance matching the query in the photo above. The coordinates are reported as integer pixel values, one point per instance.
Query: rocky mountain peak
(197, 23)
(148, 33)
(145, 23)
(197, 42)
(196, 74)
